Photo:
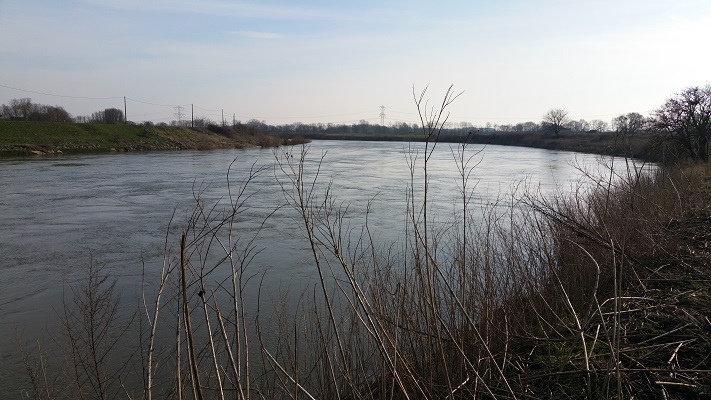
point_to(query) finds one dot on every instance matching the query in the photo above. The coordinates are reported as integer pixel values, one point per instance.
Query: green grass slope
(27, 138)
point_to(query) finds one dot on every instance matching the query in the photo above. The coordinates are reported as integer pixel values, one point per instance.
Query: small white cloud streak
(241, 9)
(257, 35)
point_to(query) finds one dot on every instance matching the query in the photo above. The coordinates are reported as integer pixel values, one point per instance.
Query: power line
(157, 105)
(179, 112)
(62, 95)
(305, 116)
(87, 97)
(205, 109)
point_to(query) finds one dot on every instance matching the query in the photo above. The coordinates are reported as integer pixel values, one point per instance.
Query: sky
(338, 61)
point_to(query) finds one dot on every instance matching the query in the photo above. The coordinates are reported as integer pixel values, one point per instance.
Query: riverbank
(637, 273)
(26, 138)
(640, 146)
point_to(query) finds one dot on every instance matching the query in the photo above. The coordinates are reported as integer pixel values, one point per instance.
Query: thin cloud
(257, 35)
(241, 9)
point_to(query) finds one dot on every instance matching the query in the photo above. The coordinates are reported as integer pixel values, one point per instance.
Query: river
(61, 213)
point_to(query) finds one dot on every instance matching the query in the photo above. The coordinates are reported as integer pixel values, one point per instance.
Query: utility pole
(125, 112)
(233, 120)
(223, 117)
(382, 115)
(192, 116)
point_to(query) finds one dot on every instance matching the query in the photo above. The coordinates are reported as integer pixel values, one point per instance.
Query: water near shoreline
(60, 214)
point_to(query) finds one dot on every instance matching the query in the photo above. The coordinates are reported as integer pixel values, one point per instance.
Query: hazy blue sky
(338, 61)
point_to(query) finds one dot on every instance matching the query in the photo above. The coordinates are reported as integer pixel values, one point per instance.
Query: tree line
(555, 121)
(365, 127)
(25, 110)
(684, 119)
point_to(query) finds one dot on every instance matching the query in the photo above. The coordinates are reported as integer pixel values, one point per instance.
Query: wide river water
(59, 214)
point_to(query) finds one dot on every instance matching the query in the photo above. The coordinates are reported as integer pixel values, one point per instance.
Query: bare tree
(202, 122)
(97, 117)
(686, 120)
(629, 123)
(599, 125)
(25, 109)
(555, 120)
(579, 126)
(107, 116)
(42, 112)
(58, 114)
(113, 116)
(90, 336)
(21, 108)
(5, 112)
(531, 126)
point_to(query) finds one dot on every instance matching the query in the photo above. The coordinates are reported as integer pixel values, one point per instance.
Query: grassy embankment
(18, 138)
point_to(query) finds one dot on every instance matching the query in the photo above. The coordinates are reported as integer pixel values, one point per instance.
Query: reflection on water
(58, 213)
